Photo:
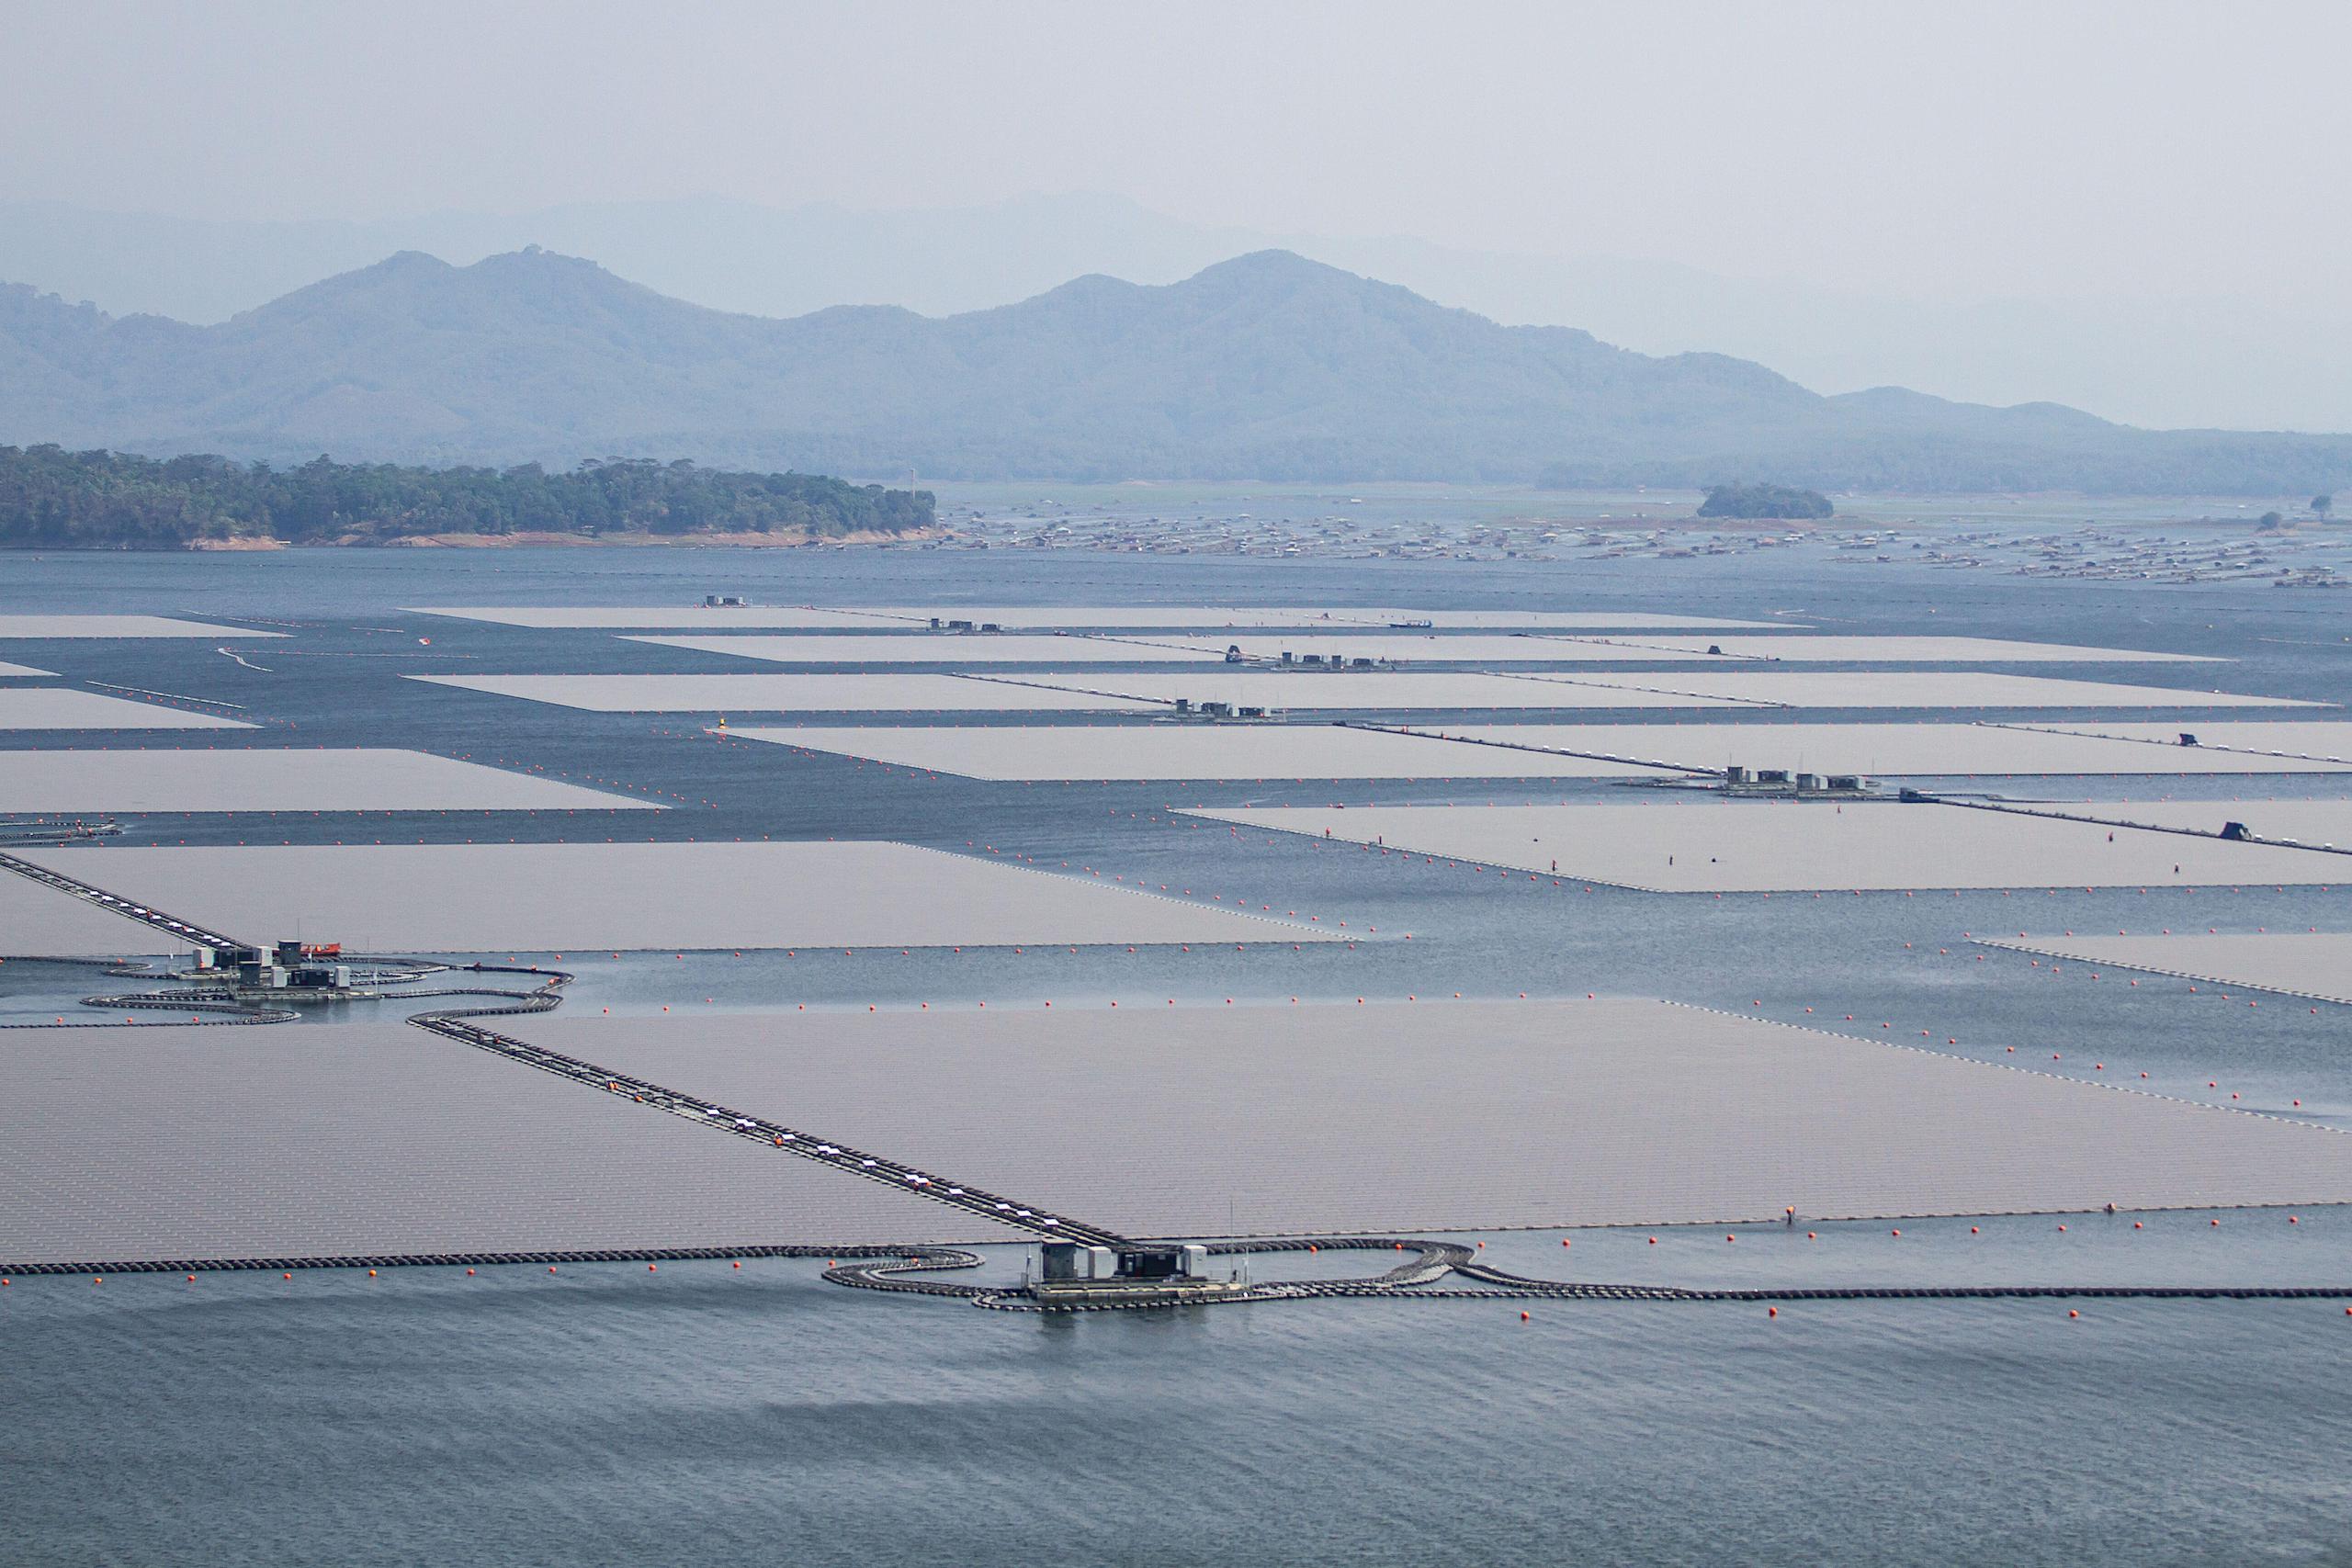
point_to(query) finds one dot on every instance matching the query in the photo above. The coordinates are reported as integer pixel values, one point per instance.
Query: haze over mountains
(2225, 361)
(1264, 366)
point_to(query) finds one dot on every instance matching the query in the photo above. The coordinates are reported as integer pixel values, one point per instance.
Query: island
(1747, 500)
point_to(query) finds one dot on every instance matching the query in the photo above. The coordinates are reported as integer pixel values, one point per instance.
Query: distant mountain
(2149, 362)
(730, 255)
(1264, 366)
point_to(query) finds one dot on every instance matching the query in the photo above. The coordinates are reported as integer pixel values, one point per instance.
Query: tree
(1747, 500)
(2270, 523)
(2321, 505)
(50, 496)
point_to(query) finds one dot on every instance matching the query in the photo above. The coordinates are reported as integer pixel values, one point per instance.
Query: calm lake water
(611, 1415)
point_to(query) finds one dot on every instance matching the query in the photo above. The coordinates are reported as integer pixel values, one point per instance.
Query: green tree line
(1764, 501)
(51, 497)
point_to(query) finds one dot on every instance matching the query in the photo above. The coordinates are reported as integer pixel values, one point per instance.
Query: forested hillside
(55, 498)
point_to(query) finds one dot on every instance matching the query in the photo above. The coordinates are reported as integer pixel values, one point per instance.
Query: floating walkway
(457, 1026)
(116, 904)
(901, 1271)
(1432, 1261)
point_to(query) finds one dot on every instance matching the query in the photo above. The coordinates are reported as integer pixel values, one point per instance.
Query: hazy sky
(1956, 151)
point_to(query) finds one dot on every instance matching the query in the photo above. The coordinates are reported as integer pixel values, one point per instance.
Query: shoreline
(535, 540)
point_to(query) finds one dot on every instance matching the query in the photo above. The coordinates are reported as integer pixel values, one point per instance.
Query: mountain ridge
(1264, 366)
(2215, 360)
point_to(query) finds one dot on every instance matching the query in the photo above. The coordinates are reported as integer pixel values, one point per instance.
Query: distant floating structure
(1739, 779)
(1074, 1274)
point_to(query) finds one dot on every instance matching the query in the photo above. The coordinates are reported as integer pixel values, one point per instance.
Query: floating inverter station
(1188, 708)
(1074, 1274)
(290, 971)
(1296, 660)
(1741, 780)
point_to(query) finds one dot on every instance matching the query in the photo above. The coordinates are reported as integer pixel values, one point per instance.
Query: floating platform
(281, 779)
(1112, 691)
(1911, 689)
(1826, 649)
(47, 627)
(63, 707)
(1052, 617)
(1731, 846)
(1394, 647)
(2311, 740)
(1298, 691)
(2317, 965)
(2319, 824)
(1950, 750)
(1330, 1118)
(284, 1141)
(790, 693)
(1225, 753)
(940, 648)
(584, 897)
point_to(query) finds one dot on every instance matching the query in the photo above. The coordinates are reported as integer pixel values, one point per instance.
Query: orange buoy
(2072, 1312)
(1771, 1311)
